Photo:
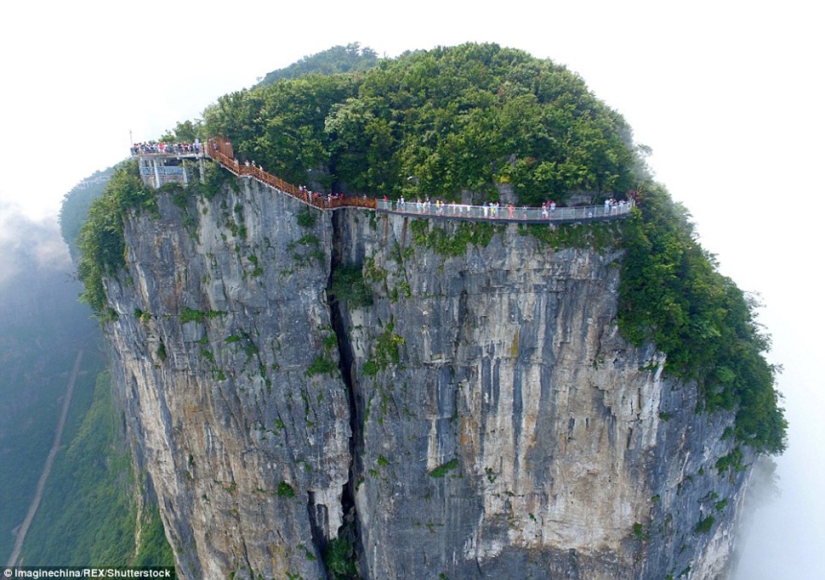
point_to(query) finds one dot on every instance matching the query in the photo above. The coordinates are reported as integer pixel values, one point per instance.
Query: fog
(760, 215)
(27, 243)
(39, 310)
(785, 538)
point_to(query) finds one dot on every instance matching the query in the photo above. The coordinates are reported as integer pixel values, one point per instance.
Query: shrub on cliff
(101, 241)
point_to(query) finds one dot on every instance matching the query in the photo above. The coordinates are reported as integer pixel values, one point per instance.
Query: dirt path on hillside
(24, 528)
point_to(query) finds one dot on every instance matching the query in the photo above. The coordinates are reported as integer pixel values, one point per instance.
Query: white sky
(728, 94)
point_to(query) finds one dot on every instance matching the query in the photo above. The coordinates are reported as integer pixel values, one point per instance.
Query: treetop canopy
(436, 123)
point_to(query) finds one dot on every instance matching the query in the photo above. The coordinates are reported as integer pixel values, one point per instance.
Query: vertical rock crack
(343, 554)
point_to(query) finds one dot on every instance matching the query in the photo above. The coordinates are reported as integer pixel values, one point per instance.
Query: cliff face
(482, 417)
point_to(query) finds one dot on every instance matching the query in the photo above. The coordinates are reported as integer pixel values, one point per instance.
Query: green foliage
(281, 126)
(200, 316)
(330, 342)
(309, 245)
(258, 269)
(638, 530)
(672, 294)
(371, 368)
(101, 240)
(154, 548)
(339, 558)
(452, 119)
(444, 468)
(285, 490)
(307, 239)
(373, 272)
(321, 366)
(176, 192)
(491, 475)
(732, 460)
(385, 352)
(598, 236)
(704, 525)
(348, 285)
(640, 533)
(429, 235)
(338, 59)
(185, 132)
(74, 210)
(307, 218)
(469, 116)
(214, 179)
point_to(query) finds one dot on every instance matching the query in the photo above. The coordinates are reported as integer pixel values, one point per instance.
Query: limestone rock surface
(480, 417)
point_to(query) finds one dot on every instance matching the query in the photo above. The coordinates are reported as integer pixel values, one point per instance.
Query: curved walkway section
(492, 213)
(220, 150)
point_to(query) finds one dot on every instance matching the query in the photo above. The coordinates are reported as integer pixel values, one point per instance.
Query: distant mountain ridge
(338, 59)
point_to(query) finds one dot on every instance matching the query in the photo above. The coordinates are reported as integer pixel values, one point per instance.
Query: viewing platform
(160, 163)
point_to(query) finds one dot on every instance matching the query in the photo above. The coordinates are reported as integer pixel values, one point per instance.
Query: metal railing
(217, 150)
(162, 170)
(171, 151)
(507, 213)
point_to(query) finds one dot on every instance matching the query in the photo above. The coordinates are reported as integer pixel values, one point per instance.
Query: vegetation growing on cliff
(439, 241)
(101, 241)
(348, 285)
(672, 294)
(75, 207)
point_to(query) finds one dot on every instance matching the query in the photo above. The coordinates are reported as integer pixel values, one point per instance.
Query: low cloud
(28, 245)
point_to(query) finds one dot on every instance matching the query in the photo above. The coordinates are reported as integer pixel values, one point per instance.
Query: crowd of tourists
(494, 210)
(162, 148)
(612, 207)
(324, 199)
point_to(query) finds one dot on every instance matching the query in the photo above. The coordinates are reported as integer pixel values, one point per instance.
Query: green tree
(338, 59)
(186, 132)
